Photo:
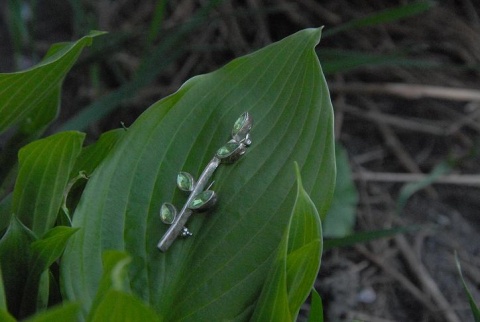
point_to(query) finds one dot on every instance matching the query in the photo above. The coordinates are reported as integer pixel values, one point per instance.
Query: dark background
(390, 133)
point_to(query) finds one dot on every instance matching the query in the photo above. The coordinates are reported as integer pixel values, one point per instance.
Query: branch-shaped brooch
(200, 199)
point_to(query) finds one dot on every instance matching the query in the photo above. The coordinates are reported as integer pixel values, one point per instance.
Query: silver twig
(199, 199)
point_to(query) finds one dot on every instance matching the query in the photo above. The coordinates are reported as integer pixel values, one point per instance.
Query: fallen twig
(428, 283)
(409, 91)
(455, 179)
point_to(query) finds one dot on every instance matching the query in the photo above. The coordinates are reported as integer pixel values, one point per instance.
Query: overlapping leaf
(15, 255)
(23, 260)
(296, 264)
(64, 312)
(45, 166)
(43, 254)
(316, 308)
(37, 89)
(220, 271)
(113, 301)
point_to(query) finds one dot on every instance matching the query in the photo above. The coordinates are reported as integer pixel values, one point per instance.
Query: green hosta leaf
(220, 271)
(119, 306)
(3, 299)
(114, 276)
(65, 312)
(48, 249)
(31, 96)
(113, 301)
(92, 155)
(88, 160)
(296, 265)
(6, 317)
(45, 166)
(340, 220)
(15, 255)
(5, 212)
(30, 99)
(316, 308)
(43, 254)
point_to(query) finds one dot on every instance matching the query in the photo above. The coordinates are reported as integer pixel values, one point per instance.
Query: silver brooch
(201, 199)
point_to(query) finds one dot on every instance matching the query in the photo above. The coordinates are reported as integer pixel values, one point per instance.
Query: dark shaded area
(388, 130)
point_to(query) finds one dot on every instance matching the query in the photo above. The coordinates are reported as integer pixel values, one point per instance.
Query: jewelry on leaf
(199, 199)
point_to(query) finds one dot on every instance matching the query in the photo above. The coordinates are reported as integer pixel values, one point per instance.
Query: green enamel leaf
(242, 127)
(220, 271)
(296, 265)
(203, 200)
(227, 150)
(185, 181)
(31, 97)
(45, 166)
(168, 213)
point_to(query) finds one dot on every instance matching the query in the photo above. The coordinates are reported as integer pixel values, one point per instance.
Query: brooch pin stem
(200, 199)
(181, 219)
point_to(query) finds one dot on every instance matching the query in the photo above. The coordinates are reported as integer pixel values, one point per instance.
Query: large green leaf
(31, 96)
(296, 265)
(220, 271)
(45, 166)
